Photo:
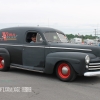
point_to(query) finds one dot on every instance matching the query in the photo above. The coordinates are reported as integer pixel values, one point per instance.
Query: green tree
(70, 36)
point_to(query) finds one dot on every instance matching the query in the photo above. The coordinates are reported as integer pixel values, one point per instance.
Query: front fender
(76, 59)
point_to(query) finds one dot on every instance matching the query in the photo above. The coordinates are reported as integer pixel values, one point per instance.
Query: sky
(70, 16)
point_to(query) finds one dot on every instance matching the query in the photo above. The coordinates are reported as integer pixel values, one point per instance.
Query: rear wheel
(65, 72)
(3, 64)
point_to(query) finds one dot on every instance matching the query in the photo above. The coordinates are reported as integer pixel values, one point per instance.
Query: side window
(39, 38)
(33, 37)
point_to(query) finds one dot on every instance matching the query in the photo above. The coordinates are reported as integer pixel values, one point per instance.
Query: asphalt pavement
(18, 84)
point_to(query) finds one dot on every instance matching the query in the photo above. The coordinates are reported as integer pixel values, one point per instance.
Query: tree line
(70, 36)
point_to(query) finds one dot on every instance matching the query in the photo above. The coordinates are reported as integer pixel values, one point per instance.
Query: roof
(30, 28)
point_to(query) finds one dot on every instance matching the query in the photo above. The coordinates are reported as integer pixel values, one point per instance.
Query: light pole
(95, 36)
(95, 32)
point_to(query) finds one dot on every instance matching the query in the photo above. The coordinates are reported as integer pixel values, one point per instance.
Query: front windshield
(55, 37)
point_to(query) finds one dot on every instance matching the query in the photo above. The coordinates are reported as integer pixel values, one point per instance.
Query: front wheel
(65, 72)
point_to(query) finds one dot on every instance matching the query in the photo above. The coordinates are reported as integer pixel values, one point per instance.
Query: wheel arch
(4, 51)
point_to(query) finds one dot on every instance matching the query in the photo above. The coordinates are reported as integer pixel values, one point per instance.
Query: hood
(77, 48)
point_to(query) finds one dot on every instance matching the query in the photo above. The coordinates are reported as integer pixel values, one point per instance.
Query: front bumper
(96, 73)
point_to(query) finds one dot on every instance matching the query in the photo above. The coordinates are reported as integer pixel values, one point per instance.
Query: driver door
(33, 53)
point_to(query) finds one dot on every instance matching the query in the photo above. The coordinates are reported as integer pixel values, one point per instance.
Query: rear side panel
(12, 40)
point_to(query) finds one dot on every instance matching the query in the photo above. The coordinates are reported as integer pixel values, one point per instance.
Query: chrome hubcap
(64, 70)
(2, 62)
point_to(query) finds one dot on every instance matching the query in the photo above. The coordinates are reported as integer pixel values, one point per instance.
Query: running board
(27, 69)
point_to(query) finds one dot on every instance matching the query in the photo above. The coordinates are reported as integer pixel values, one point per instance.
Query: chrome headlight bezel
(87, 59)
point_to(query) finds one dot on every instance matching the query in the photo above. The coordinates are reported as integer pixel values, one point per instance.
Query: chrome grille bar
(94, 66)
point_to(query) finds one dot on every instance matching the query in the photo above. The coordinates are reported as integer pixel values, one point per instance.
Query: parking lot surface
(18, 84)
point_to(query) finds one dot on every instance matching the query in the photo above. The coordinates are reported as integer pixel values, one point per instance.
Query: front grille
(94, 66)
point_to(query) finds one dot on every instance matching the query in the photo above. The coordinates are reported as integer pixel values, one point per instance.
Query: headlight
(87, 59)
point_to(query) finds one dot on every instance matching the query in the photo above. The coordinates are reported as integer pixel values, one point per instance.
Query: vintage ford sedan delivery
(51, 53)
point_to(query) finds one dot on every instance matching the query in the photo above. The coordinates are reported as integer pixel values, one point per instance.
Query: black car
(51, 53)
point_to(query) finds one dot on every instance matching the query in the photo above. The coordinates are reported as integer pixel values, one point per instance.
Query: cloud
(66, 15)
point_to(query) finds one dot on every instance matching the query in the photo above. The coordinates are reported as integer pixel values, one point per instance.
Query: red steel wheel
(65, 72)
(1, 63)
